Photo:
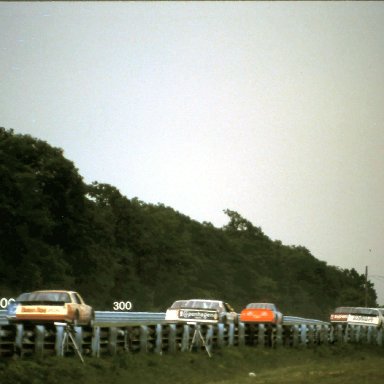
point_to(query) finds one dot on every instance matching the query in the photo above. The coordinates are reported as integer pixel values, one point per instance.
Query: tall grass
(326, 364)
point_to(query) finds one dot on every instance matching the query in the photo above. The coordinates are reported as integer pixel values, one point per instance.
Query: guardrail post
(79, 338)
(261, 336)
(172, 347)
(269, 336)
(95, 345)
(332, 334)
(39, 339)
(328, 334)
(185, 338)
(356, 334)
(287, 335)
(368, 335)
(59, 340)
(241, 333)
(159, 339)
(311, 335)
(325, 334)
(220, 335)
(368, 338)
(126, 340)
(19, 337)
(364, 334)
(295, 335)
(143, 338)
(278, 335)
(340, 333)
(347, 334)
(379, 337)
(209, 338)
(231, 334)
(303, 334)
(112, 340)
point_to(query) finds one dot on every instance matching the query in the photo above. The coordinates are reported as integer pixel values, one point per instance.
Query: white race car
(201, 311)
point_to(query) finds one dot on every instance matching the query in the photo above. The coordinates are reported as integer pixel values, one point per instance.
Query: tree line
(56, 231)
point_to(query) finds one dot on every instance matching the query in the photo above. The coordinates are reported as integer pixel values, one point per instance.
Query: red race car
(261, 313)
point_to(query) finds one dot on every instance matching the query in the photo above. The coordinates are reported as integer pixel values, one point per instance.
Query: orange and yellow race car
(51, 306)
(261, 313)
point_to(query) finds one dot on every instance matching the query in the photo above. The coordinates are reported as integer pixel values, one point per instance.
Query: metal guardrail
(116, 318)
(290, 320)
(147, 318)
(129, 318)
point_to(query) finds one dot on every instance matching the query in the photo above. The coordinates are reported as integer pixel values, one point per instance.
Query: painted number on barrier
(122, 306)
(4, 302)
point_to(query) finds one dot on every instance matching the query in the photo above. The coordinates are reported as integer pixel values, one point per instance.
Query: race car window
(76, 298)
(64, 297)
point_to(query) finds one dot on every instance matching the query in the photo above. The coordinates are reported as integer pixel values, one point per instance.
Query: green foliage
(325, 364)
(58, 232)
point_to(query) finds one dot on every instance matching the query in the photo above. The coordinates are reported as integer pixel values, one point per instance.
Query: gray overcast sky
(272, 109)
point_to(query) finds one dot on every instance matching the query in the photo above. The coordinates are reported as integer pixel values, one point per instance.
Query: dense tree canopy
(58, 232)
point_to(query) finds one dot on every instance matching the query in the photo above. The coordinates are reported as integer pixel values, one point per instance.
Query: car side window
(76, 298)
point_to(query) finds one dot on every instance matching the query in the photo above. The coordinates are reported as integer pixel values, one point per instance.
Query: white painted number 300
(122, 306)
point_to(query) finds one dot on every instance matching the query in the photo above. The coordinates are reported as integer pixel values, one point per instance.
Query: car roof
(205, 300)
(269, 306)
(53, 291)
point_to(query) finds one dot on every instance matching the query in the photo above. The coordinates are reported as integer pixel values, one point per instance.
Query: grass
(325, 364)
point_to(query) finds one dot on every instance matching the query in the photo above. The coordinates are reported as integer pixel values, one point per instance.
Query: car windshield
(24, 296)
(365, 311)
(178, 304)
(203, 304)
(49, 296)
(358, 311)
(261, 306)
(344, 310)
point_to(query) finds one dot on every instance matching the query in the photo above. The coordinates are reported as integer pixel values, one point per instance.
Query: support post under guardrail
(231, 334)
(112, 340)
(95, 344)
(368, 335)
(220, 335)
(261, 336)
(209, 339)
(241, 334)
(143, 338)
(278, 335)
(59, 340)
(172, 338)
(303, 334)
(19, 337)
(185, 338)
(159, 339)
(295, 335)
(39, 339)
